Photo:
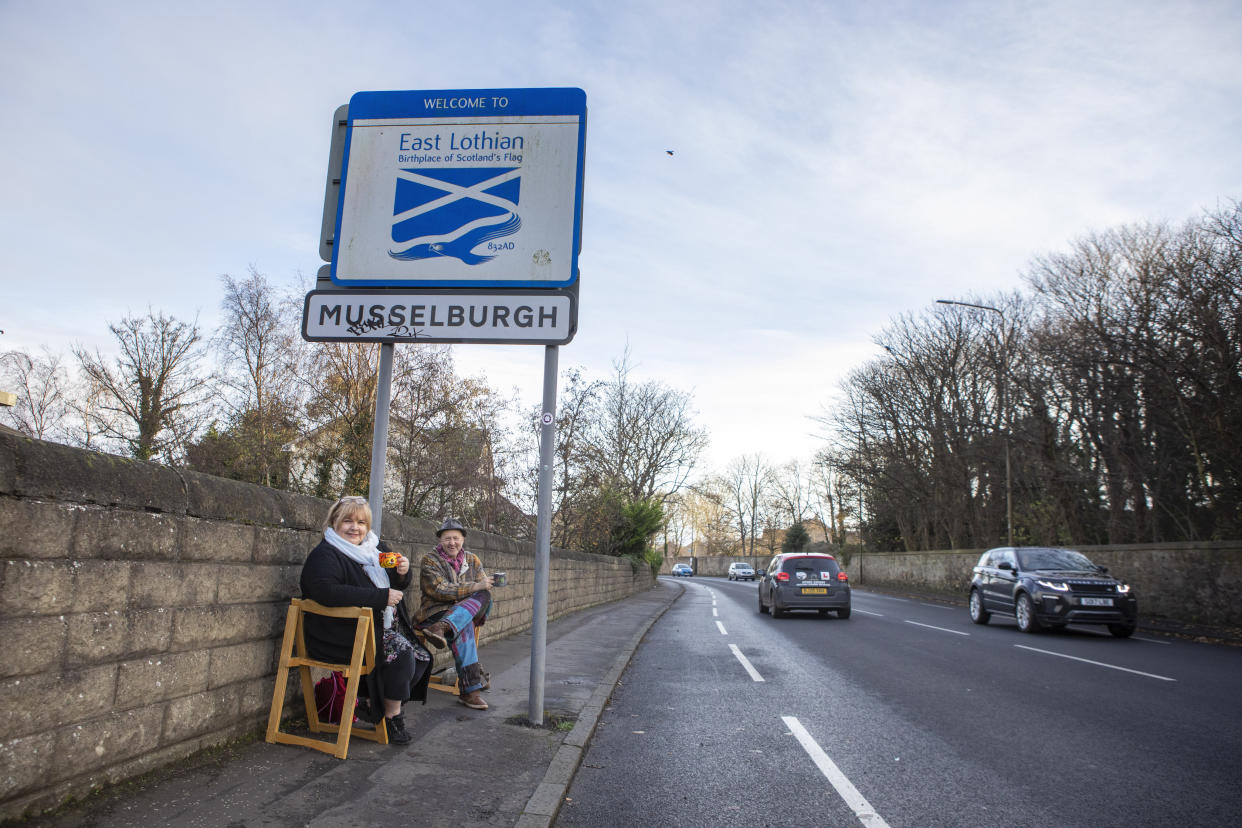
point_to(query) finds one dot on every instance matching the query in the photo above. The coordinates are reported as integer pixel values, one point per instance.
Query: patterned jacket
(441, 586)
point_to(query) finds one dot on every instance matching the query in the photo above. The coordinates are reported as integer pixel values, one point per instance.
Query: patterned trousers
(465, 615)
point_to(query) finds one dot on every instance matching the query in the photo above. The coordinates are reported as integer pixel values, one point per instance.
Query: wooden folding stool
(362, 661)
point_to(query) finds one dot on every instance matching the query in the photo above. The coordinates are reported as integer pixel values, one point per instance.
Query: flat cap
(450, 524)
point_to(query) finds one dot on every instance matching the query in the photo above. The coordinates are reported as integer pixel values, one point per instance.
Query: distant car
(804, 581)
(1050, 587)
(682, 569)
(741, 572)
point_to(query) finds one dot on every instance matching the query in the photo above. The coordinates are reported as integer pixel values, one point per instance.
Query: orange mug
(389, 559)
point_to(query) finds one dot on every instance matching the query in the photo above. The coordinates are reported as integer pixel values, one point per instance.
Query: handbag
(330, 697)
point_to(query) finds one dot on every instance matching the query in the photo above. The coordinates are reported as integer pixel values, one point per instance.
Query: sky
(835, 164)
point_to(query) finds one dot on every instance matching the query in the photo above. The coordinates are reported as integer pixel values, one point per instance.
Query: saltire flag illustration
(449, 212)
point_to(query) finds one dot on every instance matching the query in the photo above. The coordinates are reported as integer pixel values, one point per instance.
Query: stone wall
(1194, 583)
(142, 609)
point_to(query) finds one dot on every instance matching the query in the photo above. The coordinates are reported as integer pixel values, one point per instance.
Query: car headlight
(1123, 589)
(1058, 586)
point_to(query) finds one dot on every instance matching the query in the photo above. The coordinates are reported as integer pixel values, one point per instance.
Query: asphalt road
(907, 714)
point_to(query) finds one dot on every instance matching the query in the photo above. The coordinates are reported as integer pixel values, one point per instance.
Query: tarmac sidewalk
(463, 767)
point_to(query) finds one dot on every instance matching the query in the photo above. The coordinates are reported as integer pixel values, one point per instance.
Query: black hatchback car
(804, 580)
(1046, 587)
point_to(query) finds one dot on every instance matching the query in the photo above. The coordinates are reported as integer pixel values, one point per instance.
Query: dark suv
(1044, 587)
(804, 580)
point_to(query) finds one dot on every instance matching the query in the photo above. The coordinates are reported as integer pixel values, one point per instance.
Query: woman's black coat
(334, 580)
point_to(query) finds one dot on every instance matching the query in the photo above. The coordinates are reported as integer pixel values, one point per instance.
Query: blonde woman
(344, 570)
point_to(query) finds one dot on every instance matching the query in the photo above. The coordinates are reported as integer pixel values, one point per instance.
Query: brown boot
(437, 634)
(473, 700)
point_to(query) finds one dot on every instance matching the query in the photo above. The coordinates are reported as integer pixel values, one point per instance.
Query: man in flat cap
(456, 599)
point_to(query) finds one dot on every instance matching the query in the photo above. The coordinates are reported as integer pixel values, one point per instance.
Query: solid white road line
(857, 802)
(722, 629)
(1096, 663)
(754, 674)
(937, 606)
(1150, 640)
(930, 627)
(869, 612)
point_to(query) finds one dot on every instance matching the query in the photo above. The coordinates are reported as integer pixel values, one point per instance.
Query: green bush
(796, 538)
(632, 531)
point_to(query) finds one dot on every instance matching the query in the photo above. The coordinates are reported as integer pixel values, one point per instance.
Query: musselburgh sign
(520, 317)
(461, 188)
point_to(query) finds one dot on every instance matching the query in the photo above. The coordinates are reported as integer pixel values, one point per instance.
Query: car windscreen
(1053, 559)
(811, 569)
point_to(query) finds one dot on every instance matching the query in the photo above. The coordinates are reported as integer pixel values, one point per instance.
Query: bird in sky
(670, 152)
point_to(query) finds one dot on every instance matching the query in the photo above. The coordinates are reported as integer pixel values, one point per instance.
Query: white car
(741, 572)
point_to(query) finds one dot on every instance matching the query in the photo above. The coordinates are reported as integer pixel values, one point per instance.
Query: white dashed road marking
(750, 668)
(857, 802)
(942, 629)
(1096, 663)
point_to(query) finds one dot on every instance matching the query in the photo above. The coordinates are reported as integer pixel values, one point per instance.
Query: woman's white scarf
(365, 554)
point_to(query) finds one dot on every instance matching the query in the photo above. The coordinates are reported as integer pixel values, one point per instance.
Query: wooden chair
(361, 662)
(437, 682)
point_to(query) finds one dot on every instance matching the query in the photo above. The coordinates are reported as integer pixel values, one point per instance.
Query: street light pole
(1002, 373)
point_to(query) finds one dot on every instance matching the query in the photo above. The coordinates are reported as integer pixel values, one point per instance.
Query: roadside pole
(379, 437)
(543, 537)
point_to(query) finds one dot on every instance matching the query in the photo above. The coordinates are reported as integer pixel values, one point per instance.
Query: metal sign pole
(543, 537)
(379, 438)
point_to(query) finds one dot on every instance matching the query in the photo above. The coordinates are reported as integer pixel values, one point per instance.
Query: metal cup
(499, 579)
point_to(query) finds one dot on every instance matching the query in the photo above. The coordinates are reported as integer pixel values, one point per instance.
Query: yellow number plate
(814, 591)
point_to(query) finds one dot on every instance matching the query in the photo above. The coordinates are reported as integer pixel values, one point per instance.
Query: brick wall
(142, 607)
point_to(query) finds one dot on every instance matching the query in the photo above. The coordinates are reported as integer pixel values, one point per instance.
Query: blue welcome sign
(461, 188)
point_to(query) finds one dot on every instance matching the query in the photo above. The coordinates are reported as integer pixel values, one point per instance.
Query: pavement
(463, 767)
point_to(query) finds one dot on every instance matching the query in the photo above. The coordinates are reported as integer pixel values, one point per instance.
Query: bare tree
(256, 346)
(645, 441)
(334, 450)
(624, 449)
(678, 524)
(450, 445)
(830, 494)
(39, 383)
(151, 395)
(1108, 403)
(577, 413)
(790, 491)
(422, 401)
(1142, 337)
(706, 510)
(748, 482)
